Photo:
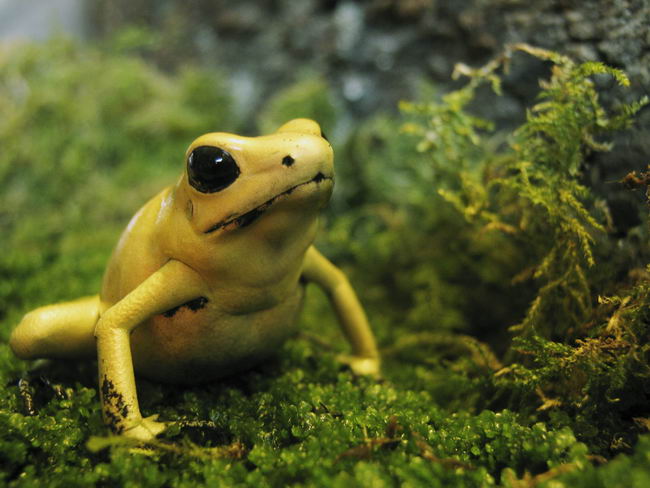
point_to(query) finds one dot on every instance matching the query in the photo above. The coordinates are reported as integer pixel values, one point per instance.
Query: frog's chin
(247, 218)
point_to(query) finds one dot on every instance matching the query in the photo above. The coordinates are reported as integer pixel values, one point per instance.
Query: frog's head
(232, 182)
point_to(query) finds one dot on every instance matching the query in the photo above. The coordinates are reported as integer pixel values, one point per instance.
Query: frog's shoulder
(137, 254)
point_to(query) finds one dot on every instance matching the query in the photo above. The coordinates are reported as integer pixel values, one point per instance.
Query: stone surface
(352, 42)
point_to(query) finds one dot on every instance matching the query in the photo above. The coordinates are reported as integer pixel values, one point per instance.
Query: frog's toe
(146, 429)
(363, 366)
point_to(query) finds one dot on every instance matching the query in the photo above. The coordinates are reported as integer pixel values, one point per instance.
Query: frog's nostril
(288, 161)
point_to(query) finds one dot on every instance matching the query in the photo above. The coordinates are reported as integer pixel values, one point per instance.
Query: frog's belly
(196, 346)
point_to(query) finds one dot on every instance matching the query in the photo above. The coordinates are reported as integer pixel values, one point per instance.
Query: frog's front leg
(172, 285)
(365, 357)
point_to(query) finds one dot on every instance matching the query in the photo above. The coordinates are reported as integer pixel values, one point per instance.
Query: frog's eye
(211, 169)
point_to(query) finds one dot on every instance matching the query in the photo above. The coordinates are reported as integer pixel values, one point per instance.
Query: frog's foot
(363, 366)
(28, 393)
(145, 429)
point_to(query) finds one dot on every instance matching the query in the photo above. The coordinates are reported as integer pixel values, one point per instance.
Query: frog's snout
(318, 150)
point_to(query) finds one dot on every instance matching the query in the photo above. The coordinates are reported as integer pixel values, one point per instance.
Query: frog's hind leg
(62, 331)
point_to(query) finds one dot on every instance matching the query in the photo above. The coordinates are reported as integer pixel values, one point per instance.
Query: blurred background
(371, 53)
(363, 56)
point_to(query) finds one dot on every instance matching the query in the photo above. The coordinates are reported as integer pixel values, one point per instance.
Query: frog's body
(233, 324)
(208, 277)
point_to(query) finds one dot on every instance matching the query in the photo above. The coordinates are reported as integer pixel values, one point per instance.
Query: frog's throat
(252, 215)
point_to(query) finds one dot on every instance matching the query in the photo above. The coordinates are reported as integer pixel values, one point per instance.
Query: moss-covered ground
(512, 319)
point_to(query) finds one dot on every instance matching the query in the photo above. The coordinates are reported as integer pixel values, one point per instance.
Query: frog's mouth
(251, 216)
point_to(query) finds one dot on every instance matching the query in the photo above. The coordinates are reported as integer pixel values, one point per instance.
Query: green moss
(433, 217)
(299, 419)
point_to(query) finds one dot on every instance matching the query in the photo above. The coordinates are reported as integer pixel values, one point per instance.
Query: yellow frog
(208, 277)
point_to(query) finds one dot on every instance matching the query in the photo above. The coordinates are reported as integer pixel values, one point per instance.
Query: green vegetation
(515, 337)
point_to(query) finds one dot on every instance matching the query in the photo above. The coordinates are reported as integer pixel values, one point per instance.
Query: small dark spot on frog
(115, 408)
(113, 422)
(107, 387)
(193, 305)
(288, 161)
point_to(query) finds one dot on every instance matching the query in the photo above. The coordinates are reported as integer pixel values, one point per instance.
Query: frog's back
(136, 255)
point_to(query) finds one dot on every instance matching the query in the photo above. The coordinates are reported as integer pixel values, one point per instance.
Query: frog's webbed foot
(30, 387)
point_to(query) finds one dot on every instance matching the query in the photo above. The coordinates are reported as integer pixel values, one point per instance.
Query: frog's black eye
(211, 169)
